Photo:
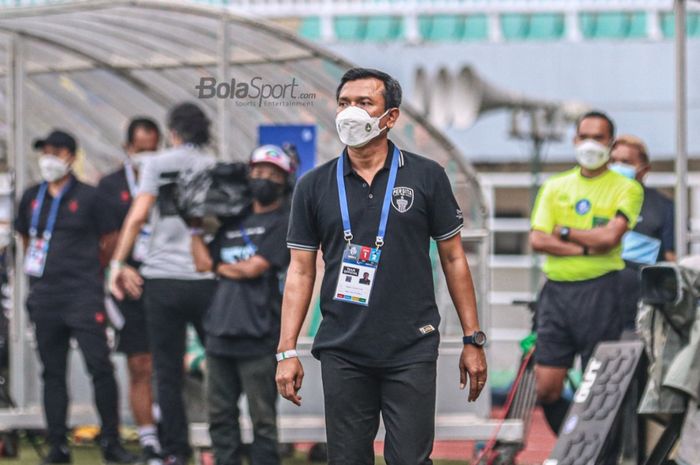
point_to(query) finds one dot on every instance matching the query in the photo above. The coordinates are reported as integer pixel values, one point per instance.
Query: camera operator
(174, 292)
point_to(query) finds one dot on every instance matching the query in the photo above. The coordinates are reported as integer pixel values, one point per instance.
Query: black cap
(58, 139)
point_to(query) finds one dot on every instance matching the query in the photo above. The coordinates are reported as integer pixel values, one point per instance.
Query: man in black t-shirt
(374, 210)
(652, 239)
(116, 191)
(62, 222)
(243, 322)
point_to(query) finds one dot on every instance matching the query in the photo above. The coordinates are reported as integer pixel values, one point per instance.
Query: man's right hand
(125, 281)
(131, 281)
(289, 376)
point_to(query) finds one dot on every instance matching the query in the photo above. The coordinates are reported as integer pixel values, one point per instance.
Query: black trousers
(170, 305)
(227, 379)
(55, 325)
(356, 395)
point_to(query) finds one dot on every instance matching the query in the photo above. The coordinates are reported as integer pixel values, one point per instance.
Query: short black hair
(392, 88)
(140, 122)
(597, 114)
(190, 122)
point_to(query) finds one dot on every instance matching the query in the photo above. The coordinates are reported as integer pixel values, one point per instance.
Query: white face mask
(356, 127)
(591, 154)
(52, 168)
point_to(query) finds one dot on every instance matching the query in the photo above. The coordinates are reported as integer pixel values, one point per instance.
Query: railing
(519, 267)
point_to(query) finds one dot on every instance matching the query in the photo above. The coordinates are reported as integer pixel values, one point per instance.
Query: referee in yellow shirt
(578, 221)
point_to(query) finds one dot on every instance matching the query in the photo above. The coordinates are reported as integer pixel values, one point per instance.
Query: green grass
(90, 455)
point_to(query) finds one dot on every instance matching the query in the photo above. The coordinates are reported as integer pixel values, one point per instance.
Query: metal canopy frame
(89, 66)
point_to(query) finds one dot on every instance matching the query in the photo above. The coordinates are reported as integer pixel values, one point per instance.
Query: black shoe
(57, 454)
(149, 456)
(114, 452)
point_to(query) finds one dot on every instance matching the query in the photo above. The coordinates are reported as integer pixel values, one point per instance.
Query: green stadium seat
(613, 25)
(515, 26)
(546, 26)
(384, 28)
(310, 28)
(441, 27)
(476, 27)
(637, 26)
(668, 25)
(425, 26)
(350, 28)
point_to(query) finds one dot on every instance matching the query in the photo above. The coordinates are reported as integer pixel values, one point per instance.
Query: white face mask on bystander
(356, 127)
(52, 168)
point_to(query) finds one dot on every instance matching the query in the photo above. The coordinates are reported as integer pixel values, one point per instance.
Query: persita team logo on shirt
(402, 199)
(583, 206)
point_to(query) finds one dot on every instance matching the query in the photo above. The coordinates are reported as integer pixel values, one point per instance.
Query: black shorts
(133, 337)
(573, 317)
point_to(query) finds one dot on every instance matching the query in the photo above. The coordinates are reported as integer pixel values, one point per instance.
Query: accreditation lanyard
(130, 177)
(38, 248)
(359, 264)
(248, 241)
(140, 249)
(238, 253)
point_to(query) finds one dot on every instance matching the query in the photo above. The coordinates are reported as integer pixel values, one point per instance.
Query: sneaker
(150, 456)
(114, 452)
(57, 454)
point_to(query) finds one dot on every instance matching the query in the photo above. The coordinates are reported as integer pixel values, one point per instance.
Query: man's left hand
(472, 364)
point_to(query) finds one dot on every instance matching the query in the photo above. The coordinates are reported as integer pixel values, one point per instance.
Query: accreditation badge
(140, 250)
(35, 259)
(357, 273)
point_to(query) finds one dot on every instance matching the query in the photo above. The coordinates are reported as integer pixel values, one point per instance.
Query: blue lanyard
(343, 199)
(247, 240)
(53, 213)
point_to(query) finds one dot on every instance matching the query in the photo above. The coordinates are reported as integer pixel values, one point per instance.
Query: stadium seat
(515, 26)
(384, 28)
(441, 27)
(638, 25)
(613, 25)
(350, 28)
(310, 28)
(476, 27)
(668, 25)
(546, 26)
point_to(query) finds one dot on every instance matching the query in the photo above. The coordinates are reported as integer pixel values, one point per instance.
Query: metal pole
(535, 171)
(17, 164)
(222, 103)
(679, 9)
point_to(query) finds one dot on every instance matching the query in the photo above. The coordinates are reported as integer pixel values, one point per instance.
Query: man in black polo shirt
(243, 322)
(61, 222)
(652, 239)
(116, 190)
(373, 210)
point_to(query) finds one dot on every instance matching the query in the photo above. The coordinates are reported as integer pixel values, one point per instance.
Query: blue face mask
(624, 169)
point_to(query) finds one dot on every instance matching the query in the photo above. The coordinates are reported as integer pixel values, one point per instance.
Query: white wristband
(286, 354)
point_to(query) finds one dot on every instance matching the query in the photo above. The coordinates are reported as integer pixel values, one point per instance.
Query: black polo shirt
(388, 331)
(73, 263)
(115, 196)
(243, 319)
(114, 191)
(656, 220)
